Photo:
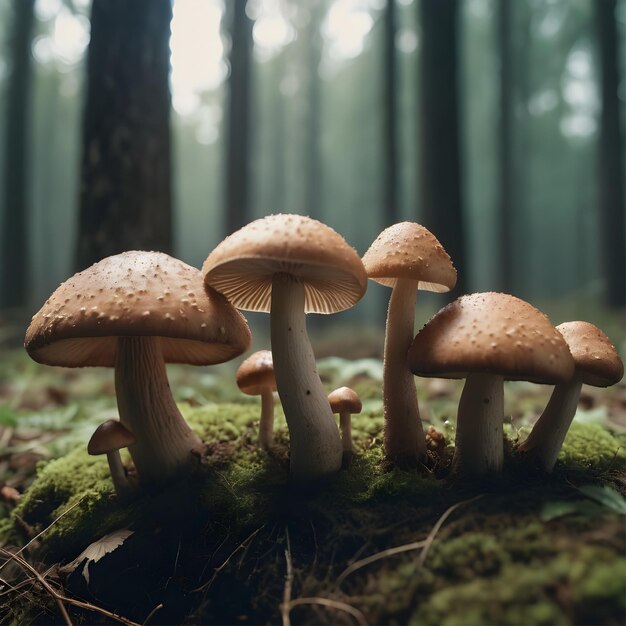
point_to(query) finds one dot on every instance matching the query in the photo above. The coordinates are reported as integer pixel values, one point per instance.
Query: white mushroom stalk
(479, 446)
(345, 424)
(163, 440)
(548, 434)
(404, 435)
(266, 425)
(315, 444)
(118, 474)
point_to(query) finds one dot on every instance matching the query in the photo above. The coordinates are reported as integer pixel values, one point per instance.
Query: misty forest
(312, 312)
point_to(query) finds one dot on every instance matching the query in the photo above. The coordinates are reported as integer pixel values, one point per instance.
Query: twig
(158, 607)
(286, 605)
(13, 555)
(333, 604)
(60, 598)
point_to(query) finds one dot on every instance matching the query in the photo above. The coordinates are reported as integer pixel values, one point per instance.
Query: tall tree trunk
(15, 258)
(278, 192)
(390, 99)
(611, 159)
(238, 139)
(125, 196)
(440, 157)
(506, 196)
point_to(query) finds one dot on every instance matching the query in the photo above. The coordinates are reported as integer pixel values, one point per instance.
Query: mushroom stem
(404, 435)
(345, 423)
(548, 433)
(120, 481)
(479, 434)
(163, 440)
(266, 425)
(314, 438)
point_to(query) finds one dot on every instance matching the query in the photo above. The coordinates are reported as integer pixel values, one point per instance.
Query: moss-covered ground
(237, 544)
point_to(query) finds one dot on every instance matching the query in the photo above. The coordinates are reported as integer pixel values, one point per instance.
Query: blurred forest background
(166, 125)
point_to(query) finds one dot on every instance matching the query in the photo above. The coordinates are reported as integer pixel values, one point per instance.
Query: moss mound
(224, 545)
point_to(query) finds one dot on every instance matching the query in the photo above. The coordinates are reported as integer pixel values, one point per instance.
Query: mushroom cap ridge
(256, 373)
(408, 250)
(108, 437)
(344, 400)
(595, 356)
(491, 333)
(136, 294)
(242, 266)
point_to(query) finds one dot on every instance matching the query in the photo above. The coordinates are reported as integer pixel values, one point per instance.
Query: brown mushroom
(406, 257)
(485, 338)
(255, 377)
(346, 402)
(290, 265)
(598, 364)
(137, 311)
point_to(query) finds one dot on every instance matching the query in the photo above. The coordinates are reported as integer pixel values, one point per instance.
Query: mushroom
(290, 265)
(598, 364)
(137, 311)
(255, 377)
(485, 338)
(346, 402)
(405, 257)
(109, 438)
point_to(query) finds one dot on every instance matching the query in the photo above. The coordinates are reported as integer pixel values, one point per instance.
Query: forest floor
(236, 544)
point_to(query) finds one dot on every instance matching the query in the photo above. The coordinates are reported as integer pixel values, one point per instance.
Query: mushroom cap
(136, 294)
(408, 250)
(108, 437)
(242, 266)
(344, 400)
(596, 358)
(491, 333)
(256, 373)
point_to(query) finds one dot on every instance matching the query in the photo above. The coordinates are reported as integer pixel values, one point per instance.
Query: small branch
(286, 605)
(333, 604)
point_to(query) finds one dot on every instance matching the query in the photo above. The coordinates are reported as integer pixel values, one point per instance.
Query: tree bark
(390, 139)
(238, 139)
(441, 188)
(125, 196)
(15, 257)
(611, 159)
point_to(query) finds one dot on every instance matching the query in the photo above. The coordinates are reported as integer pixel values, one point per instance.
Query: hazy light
(272, 30)
(406, 41)
(544, 101)
(47, 9)
(70, 36)
(552, 22)
(197, 51)
(578, 126)
(345, 28)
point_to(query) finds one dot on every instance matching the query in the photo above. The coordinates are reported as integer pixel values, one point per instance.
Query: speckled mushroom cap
(408, 250)
(136, 294)
(256, 373)
(596, 358)
(491, 333)
(242, 266)
(344, 400)
(108, 437)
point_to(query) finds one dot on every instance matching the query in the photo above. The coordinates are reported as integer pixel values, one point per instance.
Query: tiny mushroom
(346, 402)
(290, 265)
(109, 438)
(597, 364)
(485, 338)
(406, 257)
(255, 377)
(135, 312)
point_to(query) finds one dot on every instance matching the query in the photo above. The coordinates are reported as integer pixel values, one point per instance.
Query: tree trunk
(611, 159)
(15, 257)
(125, 197)
(440, 157)
(505, 182)
(390, 140)
(238, 139)
(278, 187)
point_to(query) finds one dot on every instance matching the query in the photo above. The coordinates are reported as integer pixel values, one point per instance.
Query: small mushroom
(486, 338)
(597, 364)
(109, 438)
(406, 257)
(346, 402)
(255, 377)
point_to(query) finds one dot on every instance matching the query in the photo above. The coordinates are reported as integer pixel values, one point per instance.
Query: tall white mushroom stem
(345, 424)
(547, 436)
(266, 425)
(479, 433)
(163, 440)
(118, 475)
(404, 435)
(315, 445)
